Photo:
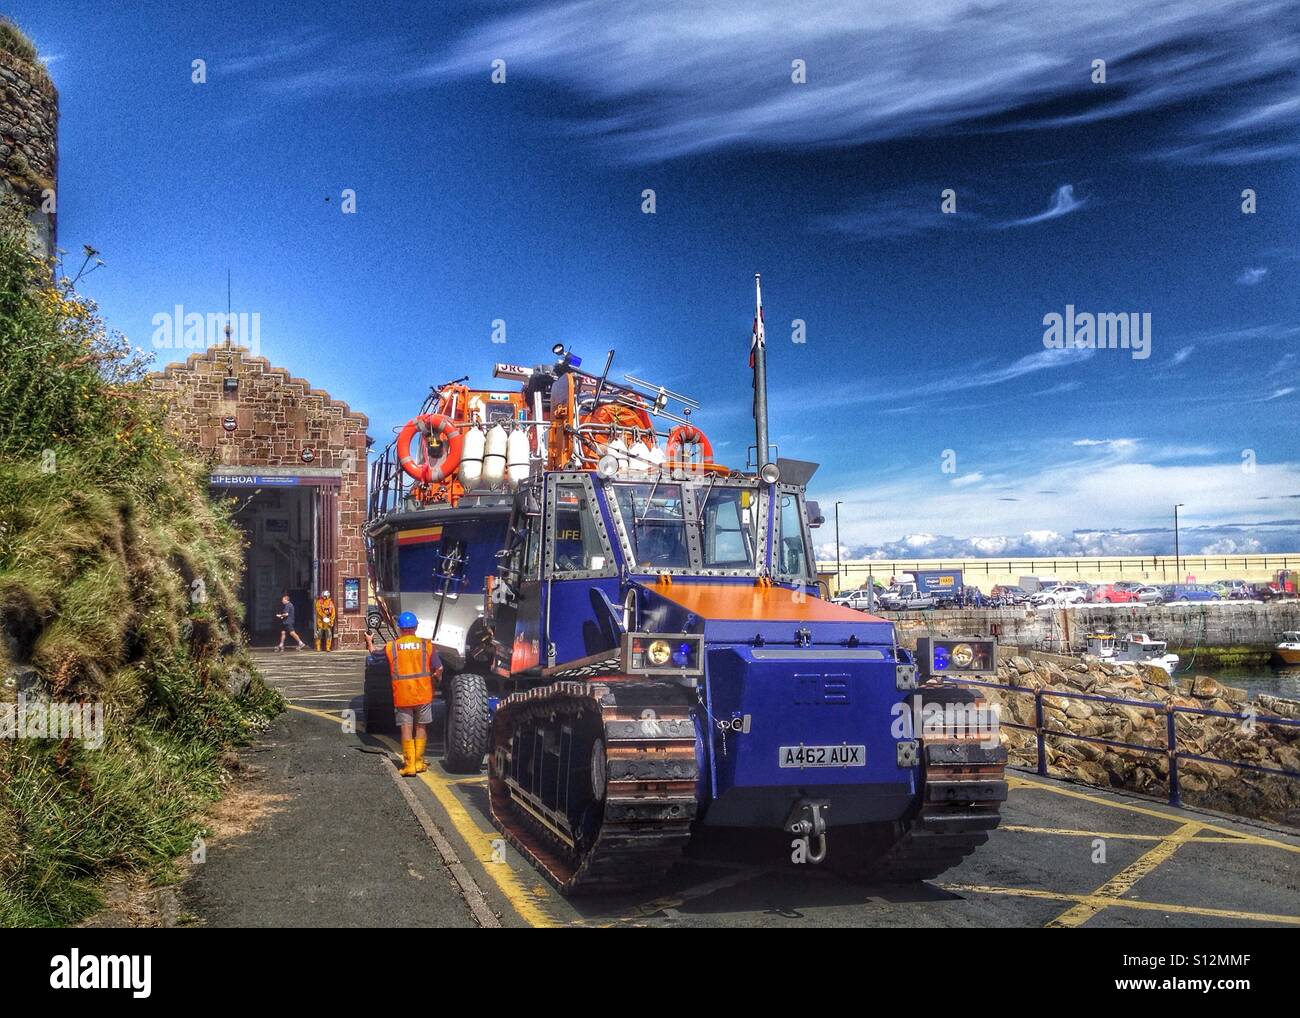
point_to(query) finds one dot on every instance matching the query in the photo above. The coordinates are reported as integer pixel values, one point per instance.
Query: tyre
(467, 723)
(379, 699)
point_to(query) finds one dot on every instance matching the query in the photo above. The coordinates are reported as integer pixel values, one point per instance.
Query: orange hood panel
(735, 601)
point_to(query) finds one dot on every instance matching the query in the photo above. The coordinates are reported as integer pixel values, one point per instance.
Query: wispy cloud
(1249, 277)
(1286, 390)
(1062, 204)
(712, 76)
(1181, 355)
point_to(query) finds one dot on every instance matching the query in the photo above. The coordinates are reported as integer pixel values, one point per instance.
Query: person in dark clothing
(286, 617)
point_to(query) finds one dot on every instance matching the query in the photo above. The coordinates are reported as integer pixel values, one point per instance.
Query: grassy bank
(118, 586)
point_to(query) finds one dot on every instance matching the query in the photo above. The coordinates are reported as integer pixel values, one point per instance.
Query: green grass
(104, 525)
(14, 40)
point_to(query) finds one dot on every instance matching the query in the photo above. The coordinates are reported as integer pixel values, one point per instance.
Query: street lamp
(837, 547)
(1177, 569)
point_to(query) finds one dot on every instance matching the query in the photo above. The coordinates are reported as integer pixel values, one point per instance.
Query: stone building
(29, 127)
(293, 459)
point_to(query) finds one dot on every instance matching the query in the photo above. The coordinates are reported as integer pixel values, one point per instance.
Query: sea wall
(1223, 631)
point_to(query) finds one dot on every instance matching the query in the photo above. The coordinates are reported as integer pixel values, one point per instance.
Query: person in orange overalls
(416, 670)
(325, 618)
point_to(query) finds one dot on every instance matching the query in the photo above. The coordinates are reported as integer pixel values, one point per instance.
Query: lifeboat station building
(292, 461)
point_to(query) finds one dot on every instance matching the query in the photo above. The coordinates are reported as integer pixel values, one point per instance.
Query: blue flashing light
(682, 655)
(940, 659)
(575, 361)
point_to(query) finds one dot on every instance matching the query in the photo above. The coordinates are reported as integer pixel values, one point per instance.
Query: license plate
(822, 756)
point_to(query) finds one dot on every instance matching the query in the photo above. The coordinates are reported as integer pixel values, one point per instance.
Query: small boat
(1132, 647)
(1141, 648)
(1287, 651)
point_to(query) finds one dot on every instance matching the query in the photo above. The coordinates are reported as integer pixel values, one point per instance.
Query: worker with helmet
(415, 669)
(325, 619)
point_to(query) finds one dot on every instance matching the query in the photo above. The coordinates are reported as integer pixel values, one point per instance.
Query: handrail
(1170, 748)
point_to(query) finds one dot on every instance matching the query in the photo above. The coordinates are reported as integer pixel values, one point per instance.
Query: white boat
(1287, 651)
(1131, 647)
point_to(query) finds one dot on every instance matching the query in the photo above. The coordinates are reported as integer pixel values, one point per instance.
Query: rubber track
(651, 774)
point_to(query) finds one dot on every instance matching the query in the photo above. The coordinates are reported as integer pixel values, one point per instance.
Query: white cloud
(711, 75)
(1249, 277)
(1279, 393)
(1062, 204)
(1182, 354)
(1110, 443)
(963, 480)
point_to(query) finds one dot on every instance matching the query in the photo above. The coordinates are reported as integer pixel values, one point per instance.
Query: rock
(1204, 686)
(1079, 710)
(1233, 693)
(1279, 707)
(1022, 664)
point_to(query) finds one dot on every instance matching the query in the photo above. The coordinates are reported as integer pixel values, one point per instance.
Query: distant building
(293, 459)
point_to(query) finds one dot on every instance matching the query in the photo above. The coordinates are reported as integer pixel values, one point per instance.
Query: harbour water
(1255, 680)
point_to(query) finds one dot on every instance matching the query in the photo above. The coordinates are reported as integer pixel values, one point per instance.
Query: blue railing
(1169, 750)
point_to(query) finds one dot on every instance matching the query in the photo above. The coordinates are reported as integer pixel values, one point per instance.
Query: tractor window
(730, 520)
(655, 519)
(792, 553)
(578, 547)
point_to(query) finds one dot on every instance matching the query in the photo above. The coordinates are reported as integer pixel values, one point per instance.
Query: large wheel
(467, 723)
(379, 699)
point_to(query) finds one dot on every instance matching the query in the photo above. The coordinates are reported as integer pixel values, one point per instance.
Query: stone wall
(29, 126)
(1210, 785)
(276, 417)
(1186, 628)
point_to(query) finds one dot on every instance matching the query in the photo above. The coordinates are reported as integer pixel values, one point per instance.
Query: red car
(1117, 593)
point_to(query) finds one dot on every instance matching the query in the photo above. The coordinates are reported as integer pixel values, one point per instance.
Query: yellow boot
(408, 755)
(329, 643)
(420, 765)
(318, 643)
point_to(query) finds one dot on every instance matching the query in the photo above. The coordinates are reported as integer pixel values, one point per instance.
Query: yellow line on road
(1122, 882)
(1142, 906)
(1109, 835)
(1237, 836)
(529, 902)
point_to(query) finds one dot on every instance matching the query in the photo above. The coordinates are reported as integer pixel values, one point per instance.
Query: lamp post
(837, 547)
(1177, 568)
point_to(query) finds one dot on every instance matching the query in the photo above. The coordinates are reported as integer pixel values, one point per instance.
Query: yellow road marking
(530, 902)
(1109, 835)
(1122, 882)
(1237, 836)
(527, 901)
(1143, 906)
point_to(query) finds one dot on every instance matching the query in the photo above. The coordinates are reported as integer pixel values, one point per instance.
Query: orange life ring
(688, 434)
(610, 418)
(425, 424)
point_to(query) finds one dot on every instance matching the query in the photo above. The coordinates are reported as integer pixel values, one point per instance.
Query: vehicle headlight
(659, 653)
(663, 654)
(962, 655)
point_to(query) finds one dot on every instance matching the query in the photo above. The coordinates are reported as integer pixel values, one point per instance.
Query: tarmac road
(344, 848)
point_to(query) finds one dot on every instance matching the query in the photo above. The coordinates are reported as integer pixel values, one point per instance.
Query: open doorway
(280, 557)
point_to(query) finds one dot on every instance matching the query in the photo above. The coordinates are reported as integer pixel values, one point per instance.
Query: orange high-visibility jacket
(413, 664)
(324, 611)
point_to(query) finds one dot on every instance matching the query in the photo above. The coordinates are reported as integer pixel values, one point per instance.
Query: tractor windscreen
(655, 518)
(728, 526)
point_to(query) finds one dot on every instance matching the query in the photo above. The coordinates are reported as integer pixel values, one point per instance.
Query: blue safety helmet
(407, 620)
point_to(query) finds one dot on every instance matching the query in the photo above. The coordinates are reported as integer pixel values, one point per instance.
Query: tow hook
(807, 822)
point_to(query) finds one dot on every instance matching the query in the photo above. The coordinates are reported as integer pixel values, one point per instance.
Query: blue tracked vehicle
(669, 665)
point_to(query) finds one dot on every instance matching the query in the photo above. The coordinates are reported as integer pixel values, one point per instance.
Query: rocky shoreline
(1245, 738)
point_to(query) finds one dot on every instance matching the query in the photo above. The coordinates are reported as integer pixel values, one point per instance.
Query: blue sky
(522, 202)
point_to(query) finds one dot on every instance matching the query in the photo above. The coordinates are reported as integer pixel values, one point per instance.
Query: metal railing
(1170, 748)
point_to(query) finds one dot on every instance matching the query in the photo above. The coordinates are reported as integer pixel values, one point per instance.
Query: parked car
(915, 601)
(1114, 593)
(1187, 592)
(859, 599)
(1060, 595)
(1129, 585)
(1149, 594)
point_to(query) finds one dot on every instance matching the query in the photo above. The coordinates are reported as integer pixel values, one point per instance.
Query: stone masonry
(29, 125)
(277, 416)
